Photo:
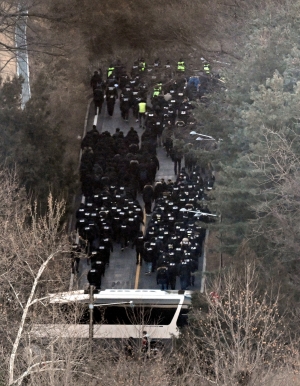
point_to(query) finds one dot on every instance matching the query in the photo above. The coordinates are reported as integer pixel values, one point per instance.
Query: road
(123, 273)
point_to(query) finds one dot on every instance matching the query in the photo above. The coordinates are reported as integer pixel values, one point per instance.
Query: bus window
(115, 314)
(134, 316)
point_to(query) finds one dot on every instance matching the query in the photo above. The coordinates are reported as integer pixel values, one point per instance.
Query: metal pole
(91, 327)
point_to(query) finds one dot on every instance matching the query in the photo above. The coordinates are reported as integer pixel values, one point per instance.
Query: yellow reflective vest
(156, 90)
(181, 66)
(206, 68)
(110, 71)
(142, 107)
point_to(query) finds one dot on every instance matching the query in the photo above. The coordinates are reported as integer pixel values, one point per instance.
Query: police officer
(110, 71)
(206, 68)
(168, 70)
(156, 63)
(142, 112)
(138, 243)
(173, 272)
(176, 158)
(156, 91)
(98, 98)
(142, 65)
(148, 256)
(184, 274)
(132, 137)
(181, 66)
(95, 80)
(94, 278)
(135, 69)
(148, 196)
(162, 277)
(125, 105)
(111, 96)
(167, 140)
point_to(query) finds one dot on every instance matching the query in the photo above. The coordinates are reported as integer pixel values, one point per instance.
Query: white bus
(118, 314)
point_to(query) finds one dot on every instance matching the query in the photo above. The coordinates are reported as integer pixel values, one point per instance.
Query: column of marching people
(116, 168)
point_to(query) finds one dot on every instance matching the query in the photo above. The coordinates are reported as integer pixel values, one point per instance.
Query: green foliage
(257, 117)
(29, 142)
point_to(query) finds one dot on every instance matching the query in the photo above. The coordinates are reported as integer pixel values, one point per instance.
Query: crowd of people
(115, 168)
(169, 96)
(173, 240)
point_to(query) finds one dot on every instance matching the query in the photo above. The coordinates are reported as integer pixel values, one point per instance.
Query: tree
(261, 98)
(242, 338)
(29, 140)
(15, 17)
(33, 263)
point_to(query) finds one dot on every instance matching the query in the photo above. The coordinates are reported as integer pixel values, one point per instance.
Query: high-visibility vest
(180, 66)
(142, 107)
(110, 71)
(142, 66)
(156, 91)
(206, 68)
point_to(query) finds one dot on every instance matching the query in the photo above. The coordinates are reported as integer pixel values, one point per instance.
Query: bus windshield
(119, 314)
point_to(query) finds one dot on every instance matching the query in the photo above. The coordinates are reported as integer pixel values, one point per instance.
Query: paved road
(123, 273)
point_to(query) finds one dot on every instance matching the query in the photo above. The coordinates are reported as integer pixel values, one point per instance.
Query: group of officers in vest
(174, 237)
(133, 88)
(172, 242)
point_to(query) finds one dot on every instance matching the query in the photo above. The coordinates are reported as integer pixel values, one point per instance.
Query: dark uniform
(111, 96)
(138, 242)
(162, 277)
(98, 98)
(94, 278)
(95, 80)
(148, 196)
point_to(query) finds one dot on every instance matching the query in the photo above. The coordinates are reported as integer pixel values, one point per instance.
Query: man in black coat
(95, 80)
(162, 277)
(148, 196)
(98, 99)
(138, 242)
(94, 278)
(111, 96)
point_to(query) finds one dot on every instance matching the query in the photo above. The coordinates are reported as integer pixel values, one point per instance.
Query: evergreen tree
(29, 142)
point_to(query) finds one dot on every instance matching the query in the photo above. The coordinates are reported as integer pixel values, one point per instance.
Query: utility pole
(221, 254)
(91, 327)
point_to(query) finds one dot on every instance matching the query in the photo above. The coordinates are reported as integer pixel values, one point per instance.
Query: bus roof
(123, 295)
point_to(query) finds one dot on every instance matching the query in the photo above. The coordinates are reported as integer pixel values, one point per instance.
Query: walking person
(98, 99)
(138, 242)
(111, 96)
(148, 197)
(142, 113)
(176, 158)
(162, 278)
(96, 80)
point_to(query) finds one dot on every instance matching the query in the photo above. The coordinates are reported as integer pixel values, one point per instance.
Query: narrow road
(123, 273)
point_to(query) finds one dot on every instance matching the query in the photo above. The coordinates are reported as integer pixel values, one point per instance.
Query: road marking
(137, 276)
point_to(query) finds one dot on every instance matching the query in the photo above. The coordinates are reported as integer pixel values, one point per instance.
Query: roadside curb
(74, 197)
(204, 261)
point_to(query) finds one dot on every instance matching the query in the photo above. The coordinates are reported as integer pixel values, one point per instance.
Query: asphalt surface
(123, 273)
